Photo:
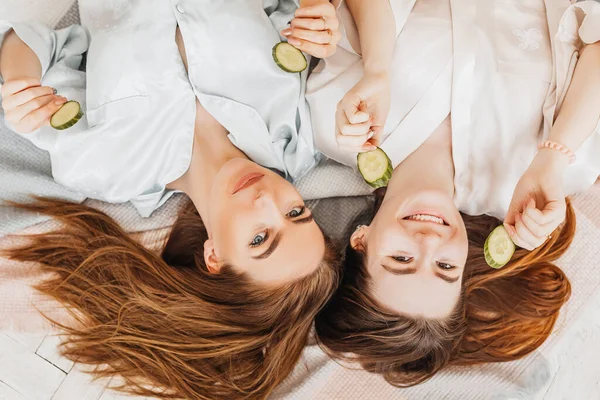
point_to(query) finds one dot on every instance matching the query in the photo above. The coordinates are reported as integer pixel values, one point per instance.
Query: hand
(315, 30)
(28, 105)
(362, 113)
(538, 205)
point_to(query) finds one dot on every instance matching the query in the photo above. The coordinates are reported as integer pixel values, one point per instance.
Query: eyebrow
(271, 248)
(446, 278)
(409, 271)
(401, 271)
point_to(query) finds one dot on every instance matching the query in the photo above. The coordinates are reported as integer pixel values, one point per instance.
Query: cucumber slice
(66, 116)
(499, 248)
(289, 58)
(375, 167)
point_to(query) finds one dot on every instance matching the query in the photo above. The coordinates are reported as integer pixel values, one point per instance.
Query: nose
(265, 202)
(415, 228)
(427, 234)
(428, 238)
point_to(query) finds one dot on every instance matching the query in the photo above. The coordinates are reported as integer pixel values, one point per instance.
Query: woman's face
(416, 252)
(260, 226)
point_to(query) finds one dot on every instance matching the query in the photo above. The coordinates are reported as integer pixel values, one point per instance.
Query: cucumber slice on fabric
(66, 116)
(289, 58)
(499, 248)
(375, 167)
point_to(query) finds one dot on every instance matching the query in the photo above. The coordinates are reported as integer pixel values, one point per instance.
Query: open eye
(296, 212)
(403, 259)
(259, 239)
(445, 266)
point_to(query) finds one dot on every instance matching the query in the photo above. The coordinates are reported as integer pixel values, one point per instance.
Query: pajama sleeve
(63, 47)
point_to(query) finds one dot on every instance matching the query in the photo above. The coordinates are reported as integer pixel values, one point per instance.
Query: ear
(359, 237)
(210, 257)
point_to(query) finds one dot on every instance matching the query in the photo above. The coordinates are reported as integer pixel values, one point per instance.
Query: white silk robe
(500, 68)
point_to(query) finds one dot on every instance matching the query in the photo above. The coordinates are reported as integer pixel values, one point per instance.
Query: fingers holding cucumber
(538, 205)
(40, 117)
(28, 105)
(362, 113)
(353, 130)
(315, 28)
(528, 234)
(11, 101)
(35, 109)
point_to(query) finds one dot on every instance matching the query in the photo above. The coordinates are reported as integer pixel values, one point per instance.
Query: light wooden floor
(32, 369)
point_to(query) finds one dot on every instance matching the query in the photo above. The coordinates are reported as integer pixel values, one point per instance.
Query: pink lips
(247, 180)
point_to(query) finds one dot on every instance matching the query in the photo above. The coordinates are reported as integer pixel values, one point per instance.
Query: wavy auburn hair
(502, 314)
(163, 323)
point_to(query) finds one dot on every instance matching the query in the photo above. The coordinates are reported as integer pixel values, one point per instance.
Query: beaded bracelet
(558, 147)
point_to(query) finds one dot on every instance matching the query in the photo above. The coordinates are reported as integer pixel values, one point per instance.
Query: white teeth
(427, 218)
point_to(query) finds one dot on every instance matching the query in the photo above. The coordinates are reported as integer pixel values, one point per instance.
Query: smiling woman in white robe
(459, 95)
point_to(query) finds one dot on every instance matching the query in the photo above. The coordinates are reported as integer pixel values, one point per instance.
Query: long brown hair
(502, 314)
(164, 323)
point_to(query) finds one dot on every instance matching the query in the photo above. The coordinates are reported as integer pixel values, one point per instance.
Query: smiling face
(416, 251)
(260, 225)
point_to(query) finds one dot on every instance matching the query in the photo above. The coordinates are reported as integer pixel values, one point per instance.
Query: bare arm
(362, 113)
(538, 204)
(580, 112)
(377, 29)
(17, 60)
(27, 104)
(315, 28)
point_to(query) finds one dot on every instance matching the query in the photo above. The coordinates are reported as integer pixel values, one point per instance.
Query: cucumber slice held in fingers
(66, 116)
(499, 248)
(375, 167)
(289, 58)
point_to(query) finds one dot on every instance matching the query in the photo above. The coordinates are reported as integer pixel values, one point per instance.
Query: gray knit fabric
(70, 18)
(24, 171)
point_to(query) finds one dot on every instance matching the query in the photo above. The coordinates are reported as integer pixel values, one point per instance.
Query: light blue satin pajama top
(140, 103)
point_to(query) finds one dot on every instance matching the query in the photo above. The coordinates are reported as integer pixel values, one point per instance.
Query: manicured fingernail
(370, 135)
(54, 90)
(294, 42)
(286, 32)
(361, 118)
(510, 229)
